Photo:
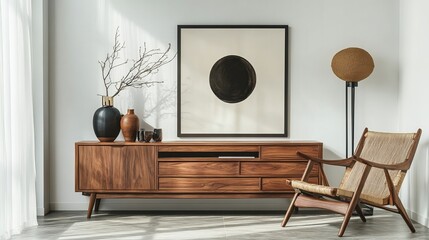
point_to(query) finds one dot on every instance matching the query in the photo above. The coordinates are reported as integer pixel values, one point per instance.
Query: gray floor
(217, 225)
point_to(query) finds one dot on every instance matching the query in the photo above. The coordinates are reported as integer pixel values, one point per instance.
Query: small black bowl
(157, 134)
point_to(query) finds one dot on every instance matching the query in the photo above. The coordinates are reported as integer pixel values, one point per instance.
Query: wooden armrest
(341, 162)
(400, 166)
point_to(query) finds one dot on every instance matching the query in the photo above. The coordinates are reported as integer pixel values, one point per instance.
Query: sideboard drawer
(287, 152)
(198, 168)
(279, 184)
(293, 169)
(209, 184)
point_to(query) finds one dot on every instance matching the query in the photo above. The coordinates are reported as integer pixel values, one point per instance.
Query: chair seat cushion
(313, 188)
(333, 192)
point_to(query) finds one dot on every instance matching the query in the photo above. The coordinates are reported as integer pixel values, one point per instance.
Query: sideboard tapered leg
(97, 204)
(91, 204)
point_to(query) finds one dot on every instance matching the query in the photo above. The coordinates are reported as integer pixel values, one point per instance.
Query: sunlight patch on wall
(153, 103)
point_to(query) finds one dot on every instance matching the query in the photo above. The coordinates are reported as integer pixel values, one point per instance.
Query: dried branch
(147, 64)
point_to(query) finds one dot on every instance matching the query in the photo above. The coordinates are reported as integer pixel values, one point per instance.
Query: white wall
(81, 32)
(40, 102)
(413, 95)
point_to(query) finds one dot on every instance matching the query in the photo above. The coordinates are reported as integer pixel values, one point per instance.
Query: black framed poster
(232, 80)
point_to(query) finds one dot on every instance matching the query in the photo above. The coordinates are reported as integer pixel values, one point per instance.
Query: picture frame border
(179, 88)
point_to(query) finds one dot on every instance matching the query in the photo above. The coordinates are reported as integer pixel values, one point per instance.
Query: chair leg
(360, 213)
(290, 210)
(355, 200)
(404, 214)
(398, 202)
(352, 206)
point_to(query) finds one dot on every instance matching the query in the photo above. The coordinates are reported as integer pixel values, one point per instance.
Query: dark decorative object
(232, 79)
(148, 135)
(157, 135)
(130, 126)
(106, 121)
(140, 135)
(228, 74)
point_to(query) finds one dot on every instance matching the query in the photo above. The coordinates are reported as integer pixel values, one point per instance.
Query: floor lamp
(352, 65)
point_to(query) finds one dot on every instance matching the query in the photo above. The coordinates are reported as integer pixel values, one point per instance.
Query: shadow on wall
(151, 105)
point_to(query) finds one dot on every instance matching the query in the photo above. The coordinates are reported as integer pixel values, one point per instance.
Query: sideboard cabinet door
(134, 168)
(116, 168)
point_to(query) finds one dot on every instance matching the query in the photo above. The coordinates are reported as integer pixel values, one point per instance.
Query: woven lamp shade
(352, 64)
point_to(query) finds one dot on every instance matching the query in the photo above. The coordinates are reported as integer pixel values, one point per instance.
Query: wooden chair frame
(346, 206)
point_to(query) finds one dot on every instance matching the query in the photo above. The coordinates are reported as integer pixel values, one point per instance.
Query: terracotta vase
(130, 126)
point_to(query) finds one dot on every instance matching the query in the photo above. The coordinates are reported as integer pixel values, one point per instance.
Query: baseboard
(42, 211)
(423, 220)
(180, 205)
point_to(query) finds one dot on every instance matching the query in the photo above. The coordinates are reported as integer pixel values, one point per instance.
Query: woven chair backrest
(385, 148)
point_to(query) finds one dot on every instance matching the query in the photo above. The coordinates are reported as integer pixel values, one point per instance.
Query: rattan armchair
(373, 176)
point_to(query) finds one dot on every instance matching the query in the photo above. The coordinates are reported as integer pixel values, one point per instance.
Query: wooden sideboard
(190, 169)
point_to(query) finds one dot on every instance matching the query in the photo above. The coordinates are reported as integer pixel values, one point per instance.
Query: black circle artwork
(232, 79)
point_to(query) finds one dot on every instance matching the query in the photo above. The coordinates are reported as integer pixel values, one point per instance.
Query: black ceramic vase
(106, 121)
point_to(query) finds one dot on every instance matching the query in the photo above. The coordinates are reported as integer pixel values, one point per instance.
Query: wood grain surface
(279, 184)
(209, 184)
(198, 168)
(287, 152)
(292, 169)
(106, 167)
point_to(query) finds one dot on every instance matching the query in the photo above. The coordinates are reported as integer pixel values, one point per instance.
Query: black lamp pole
(350, 87)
